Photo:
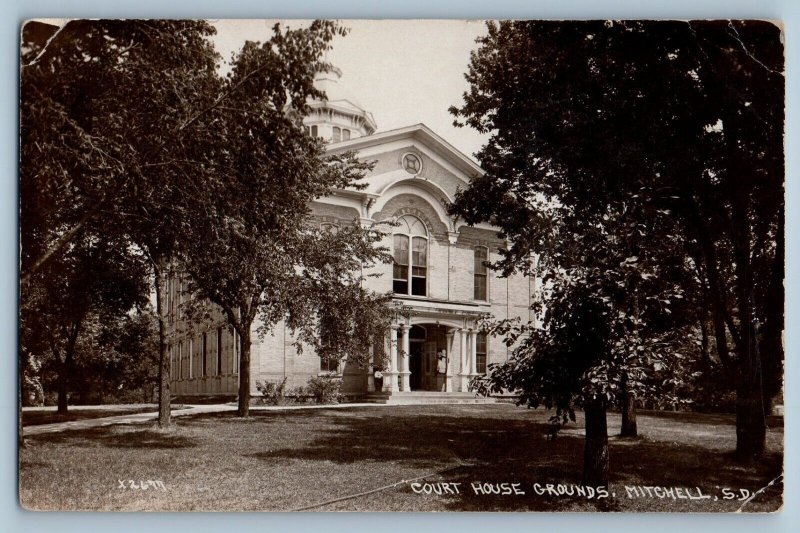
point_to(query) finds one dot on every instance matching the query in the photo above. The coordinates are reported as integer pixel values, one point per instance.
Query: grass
(37, 417)
(285, 460)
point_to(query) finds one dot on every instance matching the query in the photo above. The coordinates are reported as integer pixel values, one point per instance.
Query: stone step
(426, 398)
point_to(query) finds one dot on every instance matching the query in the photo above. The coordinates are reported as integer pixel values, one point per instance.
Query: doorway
(426, 344)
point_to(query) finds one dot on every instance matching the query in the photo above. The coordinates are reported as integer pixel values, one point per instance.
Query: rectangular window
(313, 131)
(204, 347)
(480, 353)
(219, 351)
(180, 298)
(180, 360)
(481, 255)
(400, 276)
(171, 363)
(190, 356)
(235, 351)
(326, 365)
(419, 258)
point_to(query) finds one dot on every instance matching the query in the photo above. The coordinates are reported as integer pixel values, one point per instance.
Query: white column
(464, 372)
(371, 369)
(448, 376)
(473, 350)
(405, 372)
(390, 379)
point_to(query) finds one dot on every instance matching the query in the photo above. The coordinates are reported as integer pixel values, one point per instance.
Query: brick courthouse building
(438, 272)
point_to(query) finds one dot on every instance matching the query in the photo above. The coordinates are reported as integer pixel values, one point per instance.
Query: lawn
(293, 459)
(40, 416)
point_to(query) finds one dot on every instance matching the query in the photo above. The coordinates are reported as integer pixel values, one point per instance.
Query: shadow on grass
(773, 421)
(38, 418)
(494, 450)
(118, 437)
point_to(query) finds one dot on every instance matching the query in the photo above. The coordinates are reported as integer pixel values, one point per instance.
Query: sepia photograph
(401, 265)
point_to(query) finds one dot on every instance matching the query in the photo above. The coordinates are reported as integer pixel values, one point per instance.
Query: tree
(589, 114)
(615, 317)
(94, 278)
(249, 248)
(114, 134)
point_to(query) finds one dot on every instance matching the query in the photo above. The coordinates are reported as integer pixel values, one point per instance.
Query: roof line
(467, 165)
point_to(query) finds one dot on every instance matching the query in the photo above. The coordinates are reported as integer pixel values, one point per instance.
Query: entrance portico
(434, 349)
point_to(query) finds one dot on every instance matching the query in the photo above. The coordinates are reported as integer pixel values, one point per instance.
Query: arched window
(337, 134)
(313, 131)
(410, 236)
(481, 255)
(345, 135)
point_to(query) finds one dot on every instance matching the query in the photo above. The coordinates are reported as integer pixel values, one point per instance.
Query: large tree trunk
(751, 430)
(595, 452)
(629, 428)
(66, 367)
(751, 427)
(705, 364)
(63, 383)
(164, 414)
(244, 368)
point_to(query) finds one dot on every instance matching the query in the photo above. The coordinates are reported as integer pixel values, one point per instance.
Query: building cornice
(421, 133)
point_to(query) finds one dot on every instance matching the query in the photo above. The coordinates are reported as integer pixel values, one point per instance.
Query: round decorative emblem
(412, 164)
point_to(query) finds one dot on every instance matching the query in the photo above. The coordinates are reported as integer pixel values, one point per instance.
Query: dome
(341, 117)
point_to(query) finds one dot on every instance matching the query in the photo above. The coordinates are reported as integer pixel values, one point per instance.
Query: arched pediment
(410, 200)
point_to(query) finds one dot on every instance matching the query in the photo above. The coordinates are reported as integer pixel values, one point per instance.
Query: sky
(402, 71)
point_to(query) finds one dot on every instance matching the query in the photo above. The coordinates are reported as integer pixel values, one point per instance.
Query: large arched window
(410, 235)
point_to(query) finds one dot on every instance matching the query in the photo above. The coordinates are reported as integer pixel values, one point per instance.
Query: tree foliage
(129, 132)
(95, 281)
(249, 248)
(683, 119)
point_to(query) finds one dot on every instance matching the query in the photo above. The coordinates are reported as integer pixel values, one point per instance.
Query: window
(481, 255)
(412, 281)
(171, 362)
(190, 356)
(345, 135)
(205, 355)
(337, 134)
(326, 365)
(180, 298)
(219, 351)
(313, 131)
(235, 340)
(412, 164)
(180, 360)
(400, 276)
(480, 353)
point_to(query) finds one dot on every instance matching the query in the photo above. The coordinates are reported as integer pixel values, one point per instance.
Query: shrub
(324, 389)
(297, 395)
(272, 392)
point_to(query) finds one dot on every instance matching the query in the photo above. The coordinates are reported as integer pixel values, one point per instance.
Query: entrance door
(429, 356)
(415, 366)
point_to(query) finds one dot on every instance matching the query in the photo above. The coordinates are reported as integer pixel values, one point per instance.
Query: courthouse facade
(439, 272)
